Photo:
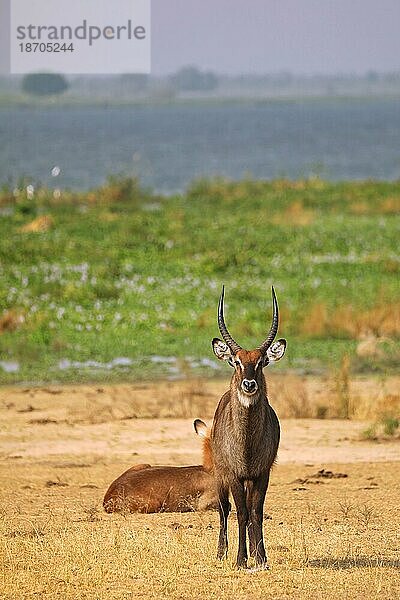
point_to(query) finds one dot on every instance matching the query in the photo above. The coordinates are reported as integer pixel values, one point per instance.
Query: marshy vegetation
(118, 282)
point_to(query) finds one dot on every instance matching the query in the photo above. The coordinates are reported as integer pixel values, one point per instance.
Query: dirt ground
(327, 536)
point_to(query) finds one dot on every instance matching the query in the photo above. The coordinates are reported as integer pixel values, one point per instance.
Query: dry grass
(101, 404)
(10, 320)
(337, 539)
(315, 321)
(295, 214)
(58, 543)
(338, 395)
(387, 419)
(314, 183)
(386, 206)
(379, 321)
(40, 224)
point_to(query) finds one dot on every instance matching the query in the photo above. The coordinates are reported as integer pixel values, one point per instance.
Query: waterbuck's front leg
(250, 529)
(239, 496)
(256, 501)
(224, 508)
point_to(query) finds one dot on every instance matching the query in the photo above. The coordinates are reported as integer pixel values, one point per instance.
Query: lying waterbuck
(147, 489)
(245, 437)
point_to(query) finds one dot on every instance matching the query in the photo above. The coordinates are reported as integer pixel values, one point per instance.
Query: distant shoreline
(23, 101)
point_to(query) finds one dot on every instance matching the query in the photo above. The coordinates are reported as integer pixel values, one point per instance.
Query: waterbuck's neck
(247, 434)
(249, 416)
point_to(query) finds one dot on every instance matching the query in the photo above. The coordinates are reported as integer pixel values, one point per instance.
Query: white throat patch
(246, 400)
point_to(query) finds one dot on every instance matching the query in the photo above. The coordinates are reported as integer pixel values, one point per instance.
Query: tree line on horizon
(186, 79)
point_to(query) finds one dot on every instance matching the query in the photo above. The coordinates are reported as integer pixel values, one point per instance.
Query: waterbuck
(147, 489)
(245, 437)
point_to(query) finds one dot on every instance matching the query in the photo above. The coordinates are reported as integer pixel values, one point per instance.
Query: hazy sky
(261, 36)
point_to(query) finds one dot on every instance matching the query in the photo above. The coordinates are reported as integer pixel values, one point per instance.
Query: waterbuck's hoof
(258, 568)
(222, 554)
(241, 564)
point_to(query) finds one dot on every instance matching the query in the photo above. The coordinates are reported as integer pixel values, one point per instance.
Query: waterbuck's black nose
(249, 385)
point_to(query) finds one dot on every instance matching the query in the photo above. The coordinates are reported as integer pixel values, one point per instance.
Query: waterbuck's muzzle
(249, 386)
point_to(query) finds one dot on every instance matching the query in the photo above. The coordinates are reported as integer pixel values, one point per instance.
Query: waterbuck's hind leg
(260, 486)
(239, 496)
(224, 508)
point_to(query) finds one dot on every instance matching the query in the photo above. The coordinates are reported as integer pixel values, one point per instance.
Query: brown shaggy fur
(147, 489)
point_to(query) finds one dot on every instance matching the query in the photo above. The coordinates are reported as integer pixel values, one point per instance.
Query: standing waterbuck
(245, 437)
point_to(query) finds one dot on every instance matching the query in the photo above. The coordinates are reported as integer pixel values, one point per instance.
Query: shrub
(44, 84)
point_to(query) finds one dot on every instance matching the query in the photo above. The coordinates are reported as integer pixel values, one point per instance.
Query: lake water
(168, 146)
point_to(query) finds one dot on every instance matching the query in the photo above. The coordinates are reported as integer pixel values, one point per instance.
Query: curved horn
(274, 327)
(234, 346)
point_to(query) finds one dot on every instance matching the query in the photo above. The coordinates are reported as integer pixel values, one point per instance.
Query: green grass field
(120, 273)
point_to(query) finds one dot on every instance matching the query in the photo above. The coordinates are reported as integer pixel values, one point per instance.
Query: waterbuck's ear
(276, 351)
(221, 350)
(200, 428)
